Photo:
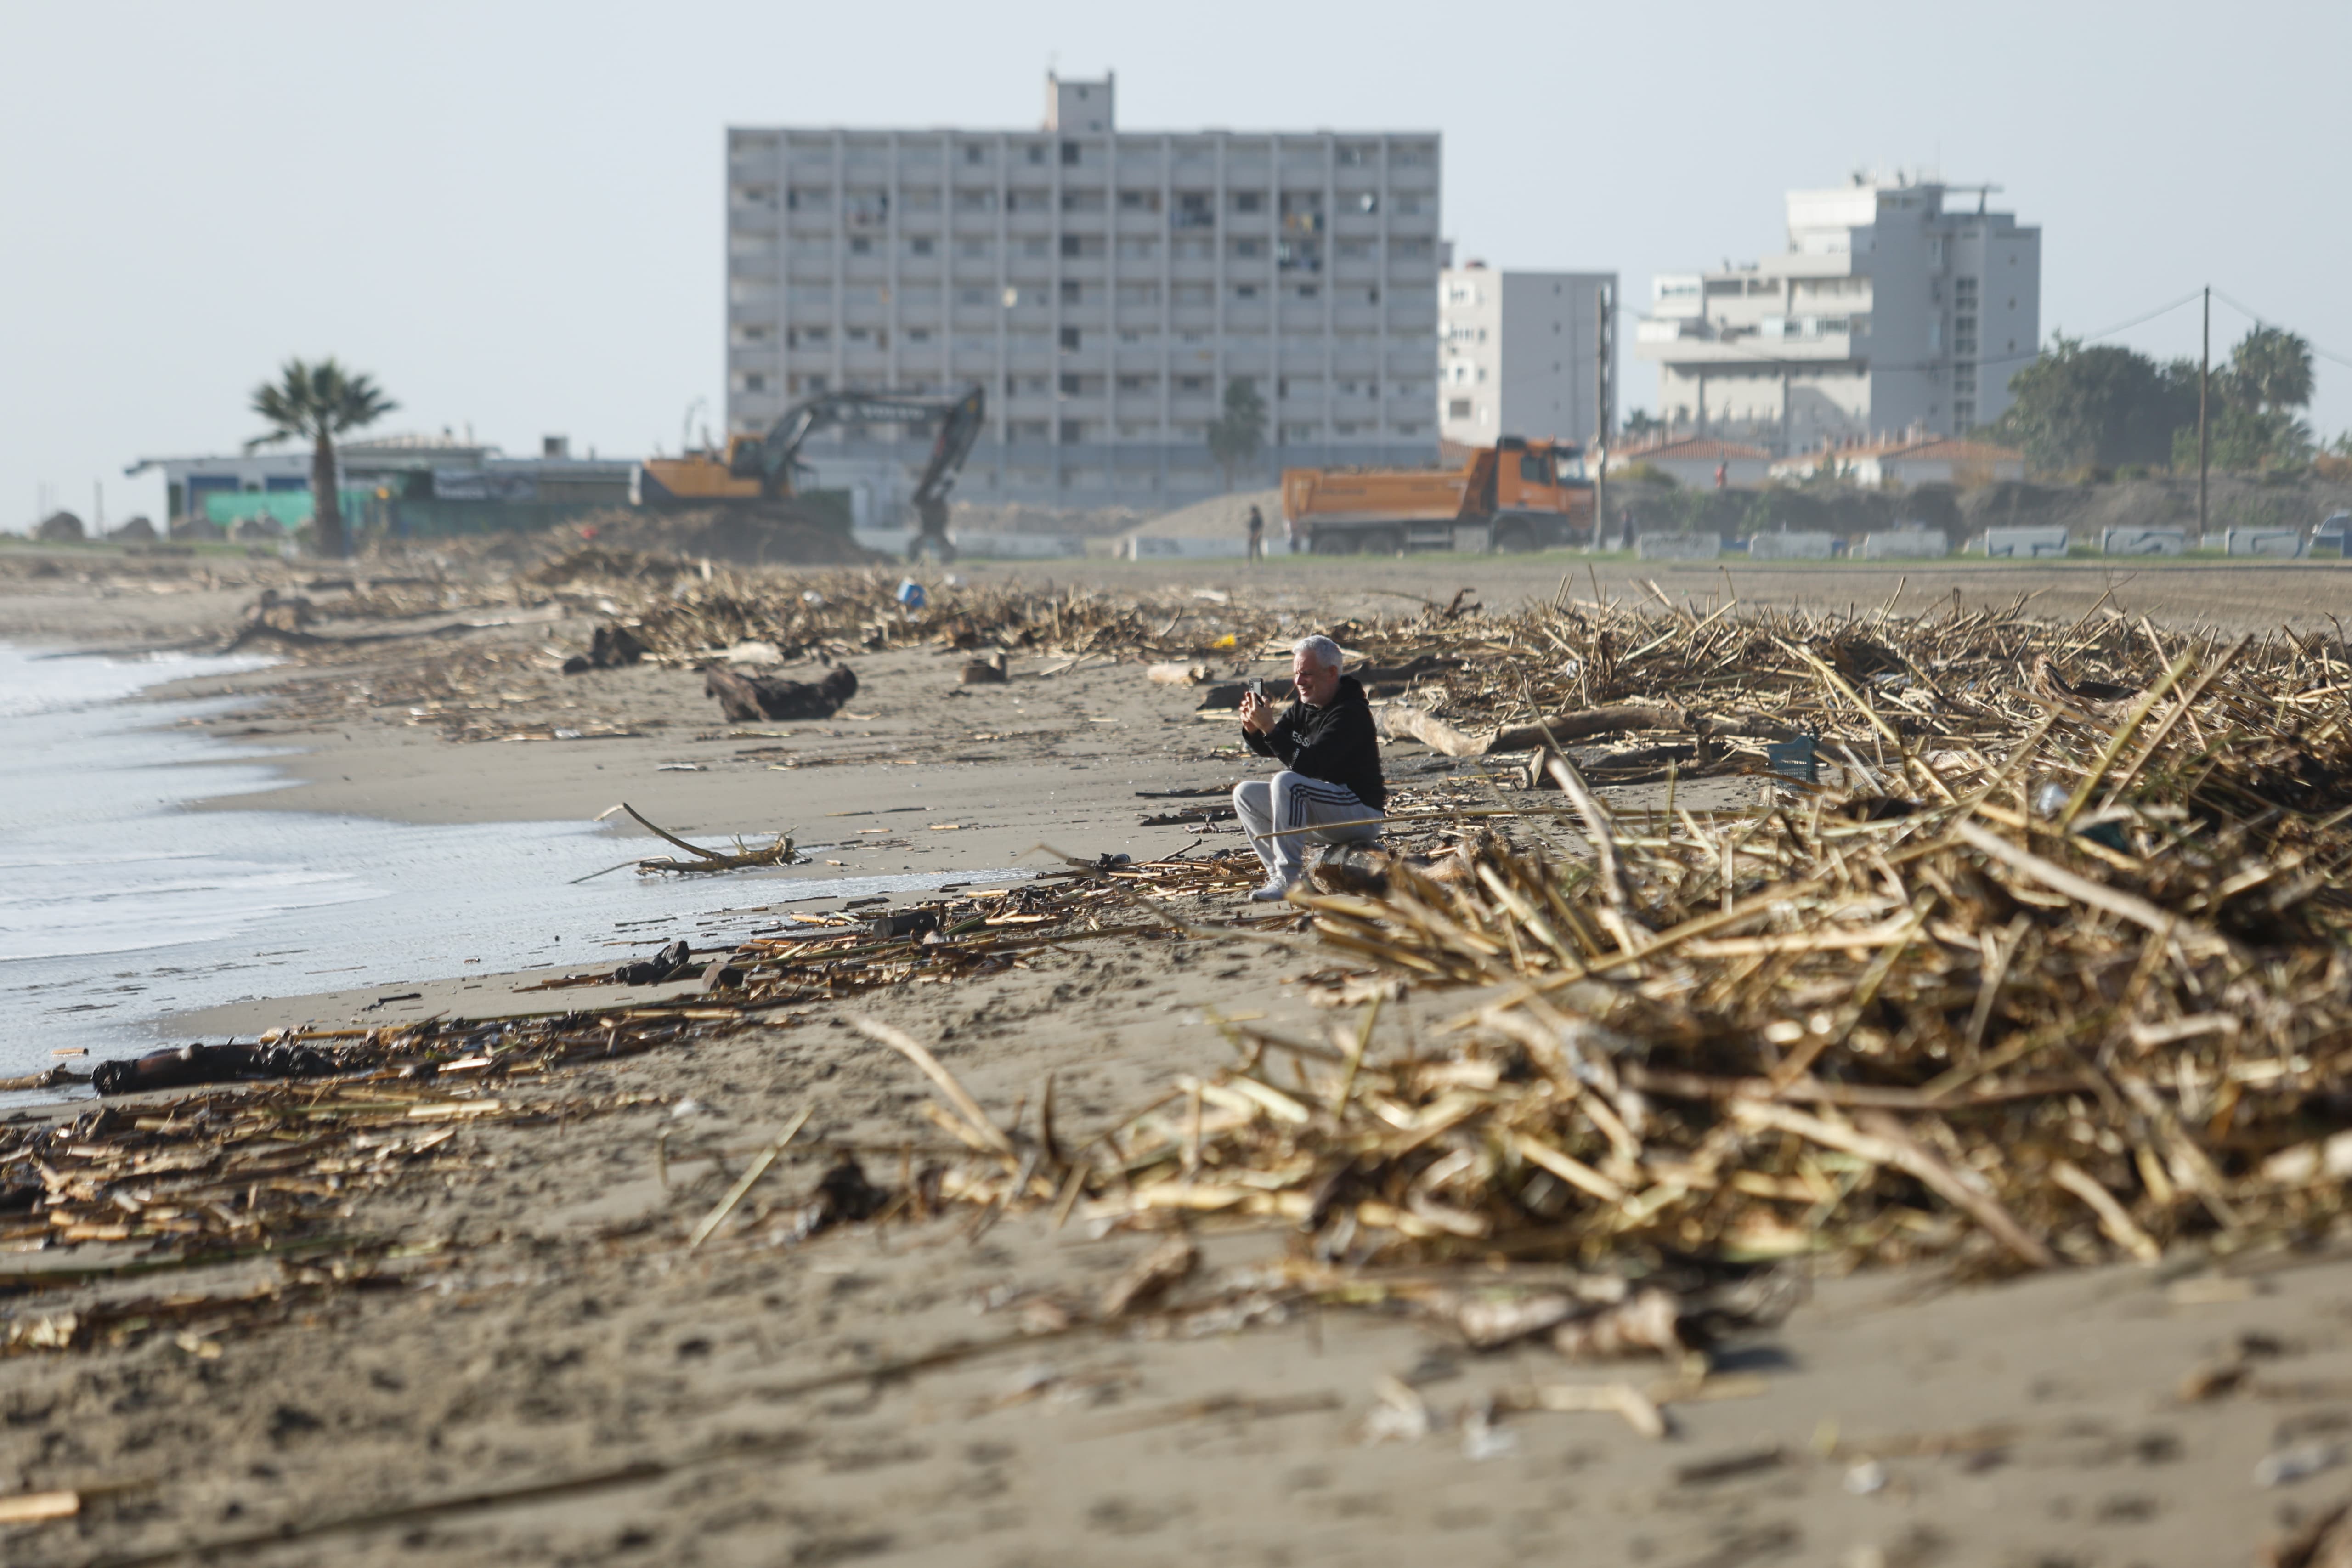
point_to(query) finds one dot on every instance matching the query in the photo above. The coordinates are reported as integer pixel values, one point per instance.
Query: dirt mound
(1220, 517)
(742, 536)
(1019, 517)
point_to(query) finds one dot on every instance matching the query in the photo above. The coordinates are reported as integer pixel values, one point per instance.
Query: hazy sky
(512, 213)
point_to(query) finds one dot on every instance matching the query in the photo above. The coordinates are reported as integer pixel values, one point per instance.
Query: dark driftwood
(748, 698)
(612, 648)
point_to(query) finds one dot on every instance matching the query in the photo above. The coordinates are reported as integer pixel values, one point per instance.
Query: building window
(861, 246)
(974, 153)
(1036, 154)
(1073, 431)
(1070, 155)
(1071, 340)
(920, 245)
(1457, 408)
(1249, 201)
(1072, 292)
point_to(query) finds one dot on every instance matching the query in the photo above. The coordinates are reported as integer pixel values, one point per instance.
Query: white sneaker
(1274, 892)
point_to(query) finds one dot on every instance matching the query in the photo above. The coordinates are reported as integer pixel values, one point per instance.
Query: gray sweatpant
(1265, 806)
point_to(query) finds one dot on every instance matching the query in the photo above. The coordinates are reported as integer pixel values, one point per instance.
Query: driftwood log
(612, 648)
(1400, 719)
(748, 698)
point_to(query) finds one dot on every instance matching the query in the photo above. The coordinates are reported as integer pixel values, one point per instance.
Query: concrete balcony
(1694, 344)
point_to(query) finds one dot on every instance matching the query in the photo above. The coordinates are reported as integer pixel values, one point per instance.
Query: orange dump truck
(1514, 495)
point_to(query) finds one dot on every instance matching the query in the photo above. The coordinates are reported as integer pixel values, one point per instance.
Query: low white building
(1888, 309)
(1906, 462)
(1518, 354)
(1697, 462)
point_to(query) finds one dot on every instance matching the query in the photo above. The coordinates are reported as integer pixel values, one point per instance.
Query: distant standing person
(1257, 534)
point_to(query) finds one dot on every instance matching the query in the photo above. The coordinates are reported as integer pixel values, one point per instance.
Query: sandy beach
(535, 1367)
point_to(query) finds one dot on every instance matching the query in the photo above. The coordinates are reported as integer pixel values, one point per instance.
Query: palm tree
(318, 402)
(1237, 437)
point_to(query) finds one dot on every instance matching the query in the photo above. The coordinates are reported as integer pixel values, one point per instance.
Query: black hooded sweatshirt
(1337, 744)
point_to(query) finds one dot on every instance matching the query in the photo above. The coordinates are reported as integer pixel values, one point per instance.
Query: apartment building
(1891, 309)
(1103, 286)
(1516, 352)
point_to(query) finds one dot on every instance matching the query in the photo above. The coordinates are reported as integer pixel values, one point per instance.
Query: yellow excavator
(760, 470)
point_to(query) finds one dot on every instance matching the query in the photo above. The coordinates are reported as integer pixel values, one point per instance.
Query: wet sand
(756, 1402)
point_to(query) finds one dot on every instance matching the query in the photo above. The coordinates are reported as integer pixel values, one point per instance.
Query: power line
(2260, 321)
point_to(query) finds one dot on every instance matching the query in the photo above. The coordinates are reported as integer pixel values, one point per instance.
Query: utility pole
(2204, 447)
(1603, 339)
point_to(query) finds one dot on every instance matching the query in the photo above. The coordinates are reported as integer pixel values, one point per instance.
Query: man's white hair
(1321, 650)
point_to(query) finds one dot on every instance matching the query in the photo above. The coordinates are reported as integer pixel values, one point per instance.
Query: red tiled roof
(1689, 449)
(1942, 449)
(1959, 451)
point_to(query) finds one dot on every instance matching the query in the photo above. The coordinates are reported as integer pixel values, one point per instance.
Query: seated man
(1330, 784)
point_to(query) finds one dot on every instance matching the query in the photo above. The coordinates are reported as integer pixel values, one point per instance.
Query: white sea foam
(118, 907)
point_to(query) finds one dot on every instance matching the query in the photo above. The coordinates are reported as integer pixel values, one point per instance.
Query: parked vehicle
(1514, 495)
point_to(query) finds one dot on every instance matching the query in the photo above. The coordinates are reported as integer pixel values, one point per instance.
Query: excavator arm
(771, 459)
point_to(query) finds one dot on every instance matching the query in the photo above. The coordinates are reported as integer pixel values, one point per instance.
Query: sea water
(121, 908)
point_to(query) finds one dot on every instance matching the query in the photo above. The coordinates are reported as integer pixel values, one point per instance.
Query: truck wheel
(1514, 538)
(1384, 541)
(1322, 543)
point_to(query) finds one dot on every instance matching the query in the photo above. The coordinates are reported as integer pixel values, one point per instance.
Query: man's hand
(1257, 713)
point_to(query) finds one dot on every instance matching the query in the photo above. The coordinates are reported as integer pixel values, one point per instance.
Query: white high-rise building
(1517, 354)
(1104, 287)
(1889, 310)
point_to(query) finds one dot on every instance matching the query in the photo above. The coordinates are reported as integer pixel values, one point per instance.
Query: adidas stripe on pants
(1290, 800)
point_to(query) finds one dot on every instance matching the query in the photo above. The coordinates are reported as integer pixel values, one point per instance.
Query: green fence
(288, 509)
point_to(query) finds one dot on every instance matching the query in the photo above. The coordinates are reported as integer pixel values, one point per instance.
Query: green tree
(1238, 435)
(2077, 407)
(2271, 368)
(2254, 407)
(318, 402)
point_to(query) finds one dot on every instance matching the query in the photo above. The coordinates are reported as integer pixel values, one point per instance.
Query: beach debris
(746, 1180)
(31, 1508)
(2285, 1466)
(195, 1064)
(672, 963)
(748, 698)
(2324, 1541)
(743, 857)
(988, 672)
(614, 646)
(1150, 1277)
(1177, 674)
